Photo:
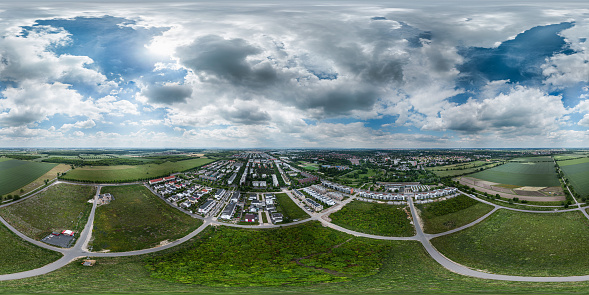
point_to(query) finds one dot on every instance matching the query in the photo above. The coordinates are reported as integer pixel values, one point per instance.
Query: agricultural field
(374, 218)
(19, 255)
(137, 219)
(51, 174)
(445, 215)
(61, 206)
(15, 174)
(538, 174)
(516, 243)
(289, 209)
(126, 173)
(533, 159)
(461, 169)
(577, 172)
(564, 157)
(304, 254)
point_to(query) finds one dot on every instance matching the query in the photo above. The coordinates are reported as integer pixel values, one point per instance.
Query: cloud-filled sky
(344, 74)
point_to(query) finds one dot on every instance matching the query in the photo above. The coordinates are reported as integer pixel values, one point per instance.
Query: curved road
(80, 248)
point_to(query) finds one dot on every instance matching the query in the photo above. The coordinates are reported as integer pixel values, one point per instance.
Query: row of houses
(313, 205)
(435, 193)
(322, 198)
(207, 207)
(338, 187)
(160, 180)
(382, 196)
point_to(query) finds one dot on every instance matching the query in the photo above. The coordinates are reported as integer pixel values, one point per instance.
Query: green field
(18, 255)
(236, 257)
(137, 219)
(405, 268)
(125, 173)
(443, 216)
(577, 172)
(60, 207)
(516, 243)
(373, 218)
(533, 159)
(523, 174)
(569, 156)
(461, 169)
(15, 174)
(289, 209)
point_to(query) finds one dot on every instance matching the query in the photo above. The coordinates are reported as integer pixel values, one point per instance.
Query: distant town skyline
(311, 74)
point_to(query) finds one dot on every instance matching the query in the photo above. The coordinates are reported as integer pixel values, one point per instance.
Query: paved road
(80, 248)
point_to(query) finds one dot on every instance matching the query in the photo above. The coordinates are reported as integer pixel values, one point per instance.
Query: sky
(294, 74)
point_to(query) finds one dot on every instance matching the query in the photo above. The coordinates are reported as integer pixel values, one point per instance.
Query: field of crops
(521, 174)
(577, 171)
(124, 173)
(15, 174)
(461, 169)
(569, 156)
(533, 159)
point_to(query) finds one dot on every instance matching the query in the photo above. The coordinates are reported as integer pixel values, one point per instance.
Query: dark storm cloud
(167, 94)
(340, 101)
(247, 116)
(226, 60)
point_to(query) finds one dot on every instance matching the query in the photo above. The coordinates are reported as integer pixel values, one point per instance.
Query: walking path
(80, 249)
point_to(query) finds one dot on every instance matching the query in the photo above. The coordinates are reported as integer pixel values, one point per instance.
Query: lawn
(15, 174)
(516, 243)
(577, 171)
(137, 219)
(541, 174)
(61, 206)
(405, 268)
(445, 215)
(374, 218)
(236, 257)
(289, 209)
(18, 255)
(126, 173)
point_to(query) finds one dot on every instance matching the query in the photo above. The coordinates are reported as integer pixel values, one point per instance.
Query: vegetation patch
(137, 219)
(445, 215)
(374, 218)
(578, 174)
(236, 257)
(289, 209)
(125, 173)
(528, 244)
(15, 174)
(61, 206)
(541, 174)
(18, 255)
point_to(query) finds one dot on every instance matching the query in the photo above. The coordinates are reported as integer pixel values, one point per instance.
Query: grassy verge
(446, 215)
(289, 209)
(62, 206)
(137, 219)
(374, 218)
(126, 173)
(518, 243)
(264, 218)
(18, 255)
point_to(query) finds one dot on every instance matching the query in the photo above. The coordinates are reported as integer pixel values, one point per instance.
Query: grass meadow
(137, 219)
(61, 206)
(374, 218)
(516, 243)
(445, 215)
